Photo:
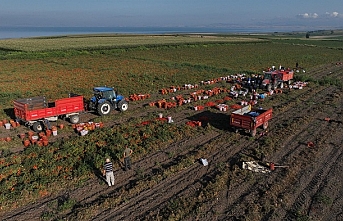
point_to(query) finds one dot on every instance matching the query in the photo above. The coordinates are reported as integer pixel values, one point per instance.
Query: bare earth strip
(309, 187)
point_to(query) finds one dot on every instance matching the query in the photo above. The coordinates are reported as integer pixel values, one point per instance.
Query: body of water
(26, 32)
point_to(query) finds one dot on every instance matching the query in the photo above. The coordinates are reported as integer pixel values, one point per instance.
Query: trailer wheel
(37, 126)
(104, 108)
(281, 85)
(269, 87)
(265, 125)
(123, 105)
(74, 119)
(253, 132)
(234, 129)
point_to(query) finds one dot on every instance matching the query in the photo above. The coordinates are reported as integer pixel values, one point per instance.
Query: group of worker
(108, 166)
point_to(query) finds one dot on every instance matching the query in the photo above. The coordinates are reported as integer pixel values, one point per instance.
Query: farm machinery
(105, 99)
(277, 78)
(36, 112)
(250, 119)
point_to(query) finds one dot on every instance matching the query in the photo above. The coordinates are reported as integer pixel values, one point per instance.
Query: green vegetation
(31, 172)
(95, 42)
(53, 67)
(135, 68)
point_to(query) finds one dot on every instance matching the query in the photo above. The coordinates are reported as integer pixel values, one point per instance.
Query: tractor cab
(276, 78)
(104, 93)
(268, 78)
(105, 99)
(268, 75)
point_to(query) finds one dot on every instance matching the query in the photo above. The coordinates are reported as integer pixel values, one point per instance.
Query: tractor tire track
(240, 148)
(312, 186)
(94, 190)
(252, 188)
(147, 164)
(227, 152)
(330, 186)
(247, 189)
(326, 71)
(223, 157)
(218, 156)
(154, 197)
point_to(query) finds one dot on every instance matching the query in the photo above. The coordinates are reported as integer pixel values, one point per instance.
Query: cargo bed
(250, 119)
(31, 110)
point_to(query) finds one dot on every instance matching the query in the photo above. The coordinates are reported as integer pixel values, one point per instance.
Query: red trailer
(250, 119)
(37, 111)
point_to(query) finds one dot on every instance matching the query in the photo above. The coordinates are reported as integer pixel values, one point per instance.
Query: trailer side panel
(29, 111)
(243, 119)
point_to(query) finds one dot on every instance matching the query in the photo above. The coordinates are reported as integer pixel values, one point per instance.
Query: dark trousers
(127, 162)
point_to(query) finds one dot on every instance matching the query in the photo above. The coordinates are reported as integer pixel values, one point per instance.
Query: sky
(317, 14)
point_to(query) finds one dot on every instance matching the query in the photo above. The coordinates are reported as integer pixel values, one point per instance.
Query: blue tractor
(105, 99)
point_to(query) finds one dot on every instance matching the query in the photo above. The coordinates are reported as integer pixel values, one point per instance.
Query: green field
(140, 64)
(111, 41)
(56, 66)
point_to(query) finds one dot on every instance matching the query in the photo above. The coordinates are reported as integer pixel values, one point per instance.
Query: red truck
(250, 119)
(277, 78)
(37, 112)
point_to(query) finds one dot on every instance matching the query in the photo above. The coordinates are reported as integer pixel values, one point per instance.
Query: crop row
(107, 41)
(146, 70)
(31, 171)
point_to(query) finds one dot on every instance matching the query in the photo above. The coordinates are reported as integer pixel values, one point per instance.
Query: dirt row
(308, 188)
(224, 155)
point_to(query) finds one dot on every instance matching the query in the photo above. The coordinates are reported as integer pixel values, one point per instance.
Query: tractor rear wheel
(123, 105)
(104, 108)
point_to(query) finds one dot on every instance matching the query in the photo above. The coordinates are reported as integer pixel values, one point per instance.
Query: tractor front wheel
(123, 105)
(104, 108)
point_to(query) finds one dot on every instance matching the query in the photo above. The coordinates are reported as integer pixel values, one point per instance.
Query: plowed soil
(308, 186)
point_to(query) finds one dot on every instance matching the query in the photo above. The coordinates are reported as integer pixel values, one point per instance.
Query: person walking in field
(108, 172)
(127, 159)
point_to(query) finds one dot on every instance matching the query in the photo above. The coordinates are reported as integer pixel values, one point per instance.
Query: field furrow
(168, 180)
